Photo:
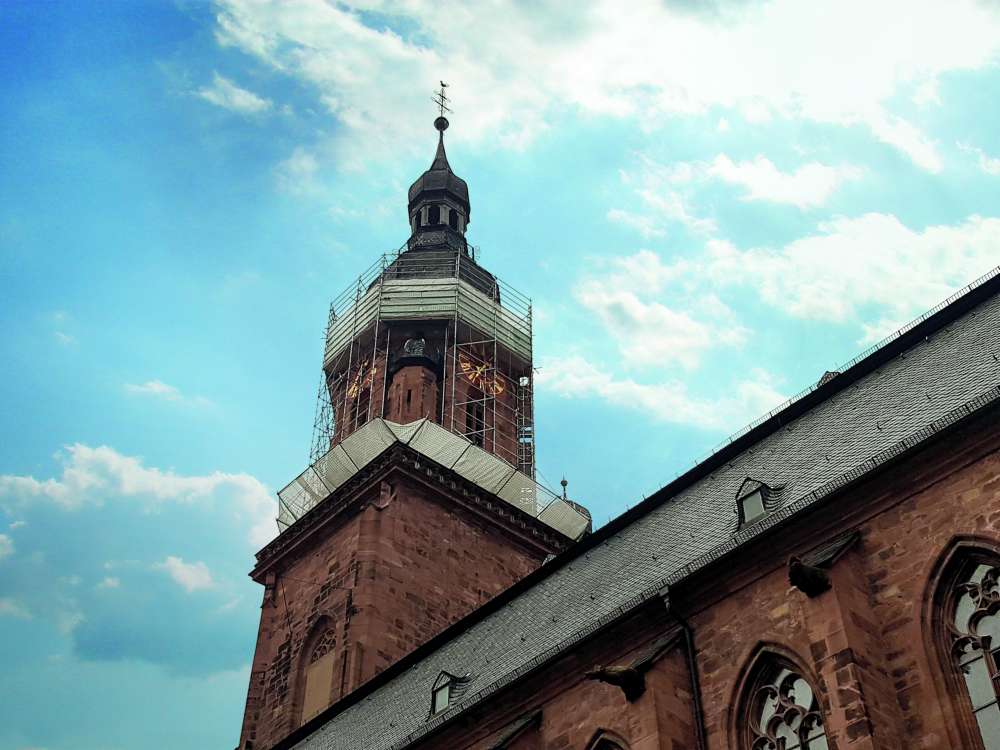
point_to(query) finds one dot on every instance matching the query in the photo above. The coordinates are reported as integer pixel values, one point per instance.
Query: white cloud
(655, 188)
(297, 173)
(671, 401)
(808, 186)
(110, 582)
(64, 338)
(663, 187)
(874, 331)
(905, 136)
(190, 576)
(226, 94)
(6, 546)
(987, 163)
(90, 476)
(155, 388)
(230, 605)
(645, 225)
(18, 524)
(647, 331)
(165, 391)
(69, 620)
(13, 608)
(853, 266)
(832, 61)
(871, 272)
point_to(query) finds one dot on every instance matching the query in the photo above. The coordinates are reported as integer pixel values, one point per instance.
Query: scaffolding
(481, 331)
(338, 465)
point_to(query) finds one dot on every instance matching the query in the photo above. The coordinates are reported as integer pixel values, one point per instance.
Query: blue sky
(710, 203)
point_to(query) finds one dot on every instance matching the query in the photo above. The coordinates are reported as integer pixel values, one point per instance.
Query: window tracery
(784, 712)
(974, 625)
(326, 643)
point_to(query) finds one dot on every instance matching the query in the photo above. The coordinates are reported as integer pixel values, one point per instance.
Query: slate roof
(940, 369)
(440, 179)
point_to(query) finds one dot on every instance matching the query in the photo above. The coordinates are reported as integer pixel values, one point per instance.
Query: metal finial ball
(441, 123)
(564, 482)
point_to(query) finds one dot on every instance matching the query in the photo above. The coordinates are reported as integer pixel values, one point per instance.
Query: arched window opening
(605, 740)
(782, 710)
(453, 219)
(319, 675)
(973, 621)
(475, 417)
(434, 215)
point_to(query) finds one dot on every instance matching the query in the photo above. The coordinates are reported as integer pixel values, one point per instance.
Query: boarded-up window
(319, 680)
(319, 676)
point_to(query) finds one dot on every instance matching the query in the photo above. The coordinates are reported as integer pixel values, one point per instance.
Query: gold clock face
(364, 376)
(482, 375)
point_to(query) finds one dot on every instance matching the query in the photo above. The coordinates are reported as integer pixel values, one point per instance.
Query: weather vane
(441, 100)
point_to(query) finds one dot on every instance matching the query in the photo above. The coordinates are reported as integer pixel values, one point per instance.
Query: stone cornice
(443, 485)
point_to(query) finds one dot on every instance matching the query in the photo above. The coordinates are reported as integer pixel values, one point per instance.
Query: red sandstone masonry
(386, 579)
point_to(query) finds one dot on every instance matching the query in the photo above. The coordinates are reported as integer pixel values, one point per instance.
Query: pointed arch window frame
(769, 658)
(605, 739)
(944, 641)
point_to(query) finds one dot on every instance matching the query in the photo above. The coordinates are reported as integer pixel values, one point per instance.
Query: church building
(826, 579)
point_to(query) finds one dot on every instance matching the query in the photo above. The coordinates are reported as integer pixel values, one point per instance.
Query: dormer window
(441, 697)
(752, 506)
(755, 500)
(441, 692)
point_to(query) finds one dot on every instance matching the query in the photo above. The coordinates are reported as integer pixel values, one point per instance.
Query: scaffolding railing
(487, 327)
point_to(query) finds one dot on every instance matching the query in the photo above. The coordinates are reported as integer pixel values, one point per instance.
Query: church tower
(420, 502)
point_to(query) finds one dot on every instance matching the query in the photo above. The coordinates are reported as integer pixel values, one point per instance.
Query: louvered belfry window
(784, 711)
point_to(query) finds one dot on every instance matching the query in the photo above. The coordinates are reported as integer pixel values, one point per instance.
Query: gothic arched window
(781, 710)
(605, 740)
(972, 620)
(319, 675)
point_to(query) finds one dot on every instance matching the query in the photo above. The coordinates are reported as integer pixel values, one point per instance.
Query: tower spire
(438, 204)
(441, 124)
